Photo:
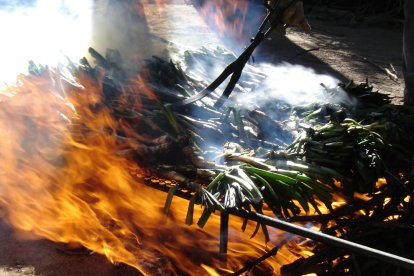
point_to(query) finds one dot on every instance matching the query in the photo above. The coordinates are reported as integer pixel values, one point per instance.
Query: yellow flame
(62, 179)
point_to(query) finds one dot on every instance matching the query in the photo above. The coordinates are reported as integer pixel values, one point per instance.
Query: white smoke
(43, 31)
(262, 83)
(293, 84)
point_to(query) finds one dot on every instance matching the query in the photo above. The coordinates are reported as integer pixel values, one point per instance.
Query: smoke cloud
(43, 31)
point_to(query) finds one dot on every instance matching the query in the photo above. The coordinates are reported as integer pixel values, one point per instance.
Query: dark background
(382, 12)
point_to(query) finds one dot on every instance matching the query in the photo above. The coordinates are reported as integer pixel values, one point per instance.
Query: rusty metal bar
(224, 232)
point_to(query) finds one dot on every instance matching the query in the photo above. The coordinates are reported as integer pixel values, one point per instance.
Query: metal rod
(314, 235)
(224, 232)
(328, 239)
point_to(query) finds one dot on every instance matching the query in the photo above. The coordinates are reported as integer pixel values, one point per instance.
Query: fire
(63, 180)
(227, 16)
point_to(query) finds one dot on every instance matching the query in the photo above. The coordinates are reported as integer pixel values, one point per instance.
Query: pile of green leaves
(338, 143)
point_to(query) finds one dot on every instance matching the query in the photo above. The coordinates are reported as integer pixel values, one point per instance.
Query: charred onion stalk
(340, 151)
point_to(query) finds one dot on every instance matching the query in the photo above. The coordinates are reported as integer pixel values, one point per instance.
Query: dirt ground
(336, 46)
(347, 52)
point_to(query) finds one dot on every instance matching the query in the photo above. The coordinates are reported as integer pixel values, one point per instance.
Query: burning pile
(85, 150)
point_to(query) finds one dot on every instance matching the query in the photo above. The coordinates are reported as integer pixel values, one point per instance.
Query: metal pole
(328, 239)
(317, 236)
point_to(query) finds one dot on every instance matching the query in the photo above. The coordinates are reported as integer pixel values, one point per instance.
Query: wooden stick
(251, 265)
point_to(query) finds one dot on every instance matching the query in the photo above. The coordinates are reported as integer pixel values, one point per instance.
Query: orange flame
(227, 16)
(62, 180)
